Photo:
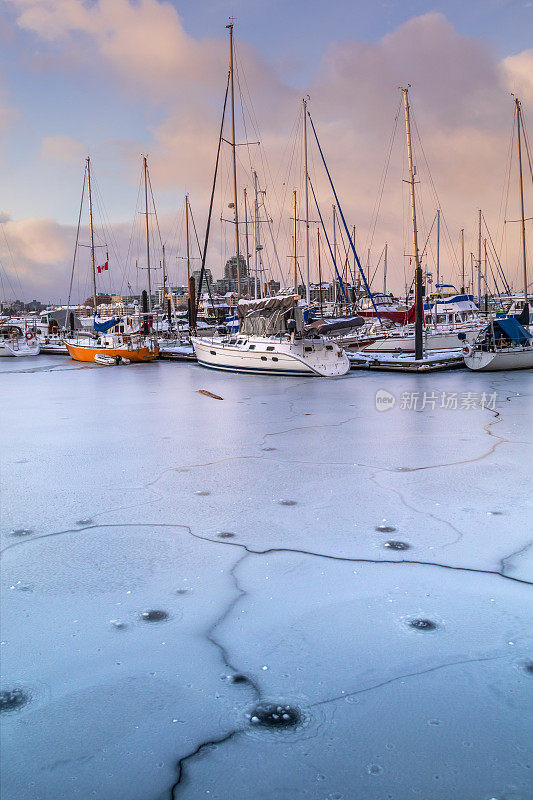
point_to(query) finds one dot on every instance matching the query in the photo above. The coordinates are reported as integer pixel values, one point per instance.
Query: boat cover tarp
(103, 327)
(323, 326)
(511, 329)
(270, 303)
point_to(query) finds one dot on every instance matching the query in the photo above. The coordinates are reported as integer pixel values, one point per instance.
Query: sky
(115, 79)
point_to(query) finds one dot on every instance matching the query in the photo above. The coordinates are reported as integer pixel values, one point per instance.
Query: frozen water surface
(286, 594)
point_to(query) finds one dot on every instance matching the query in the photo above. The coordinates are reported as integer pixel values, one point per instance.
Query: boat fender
(28, 336)
(466, 350)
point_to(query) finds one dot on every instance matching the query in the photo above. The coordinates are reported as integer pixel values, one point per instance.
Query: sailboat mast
(164, 281)
(385, 268)
(294, 232)
(306, 190)
(258, 247)
(335, 279)
(485, 275)
(479, 261)
(438, 247)
(145, 167)
(234, 156)
(93, 264)
(248, 289)
(519, 124)
(419, 309)
(462, 260)
(319, 274)
(187, 237)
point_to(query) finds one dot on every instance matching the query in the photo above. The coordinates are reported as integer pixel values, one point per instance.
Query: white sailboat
(272, 338)
(14, 342)
(506, 343)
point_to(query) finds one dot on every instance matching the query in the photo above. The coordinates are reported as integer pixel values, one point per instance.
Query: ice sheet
(266, 527)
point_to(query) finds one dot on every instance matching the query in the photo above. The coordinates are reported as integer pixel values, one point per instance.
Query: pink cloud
(460, 97)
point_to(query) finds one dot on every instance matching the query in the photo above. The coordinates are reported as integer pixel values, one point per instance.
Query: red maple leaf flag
(103, 267)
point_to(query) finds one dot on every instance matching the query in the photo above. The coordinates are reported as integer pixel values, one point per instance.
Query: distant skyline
(117, 78)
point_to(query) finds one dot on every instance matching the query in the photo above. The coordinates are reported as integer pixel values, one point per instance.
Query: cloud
(459, 96)
(518, 73)
(63, 148)
(33, 254)
(142, 43)
(8, 114)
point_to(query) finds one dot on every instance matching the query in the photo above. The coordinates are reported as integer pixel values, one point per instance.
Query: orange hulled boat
(128, 347)
(113, 340)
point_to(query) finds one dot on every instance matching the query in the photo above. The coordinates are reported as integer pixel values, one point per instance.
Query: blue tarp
(511, 328)
(103, 327)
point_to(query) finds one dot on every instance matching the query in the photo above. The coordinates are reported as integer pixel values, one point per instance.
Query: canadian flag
(103, 267)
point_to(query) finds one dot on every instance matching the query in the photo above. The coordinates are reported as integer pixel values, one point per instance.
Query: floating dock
(405, 362)
(54, 349)
(183, 352)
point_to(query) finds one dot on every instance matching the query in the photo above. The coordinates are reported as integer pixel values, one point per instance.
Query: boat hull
(513, 358)
(448, 340)
(87, 354)
(19, 348)
(282, 360)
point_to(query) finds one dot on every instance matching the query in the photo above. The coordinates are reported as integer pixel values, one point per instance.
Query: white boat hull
(445, 340)
(19, 348)
(511, 358)
(270, 356)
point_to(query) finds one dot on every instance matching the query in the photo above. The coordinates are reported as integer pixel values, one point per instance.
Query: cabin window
(252, 347)
(232, 341)
(308, 349)
(275, 358)
(263, 358)
(270, 348)
(240, 341)
(213, 352)
(329, 347)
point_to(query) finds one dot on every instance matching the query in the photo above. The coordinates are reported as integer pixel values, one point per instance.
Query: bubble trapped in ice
(275, 716)
(422, 624)
(385, 528)
(238, 678)
(13, 699)
(155, 615)
(394, 545)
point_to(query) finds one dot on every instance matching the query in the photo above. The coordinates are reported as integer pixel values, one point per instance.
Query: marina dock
(406, 362)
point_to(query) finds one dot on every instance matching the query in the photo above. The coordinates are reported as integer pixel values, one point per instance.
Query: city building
(207, 279)
(230, 274)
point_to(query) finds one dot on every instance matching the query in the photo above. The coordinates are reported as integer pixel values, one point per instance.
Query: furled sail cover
(320, 326)
(103, 327)
(512, 329)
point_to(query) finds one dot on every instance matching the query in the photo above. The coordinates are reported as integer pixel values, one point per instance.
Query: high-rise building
(207, 279)
(230, 274)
